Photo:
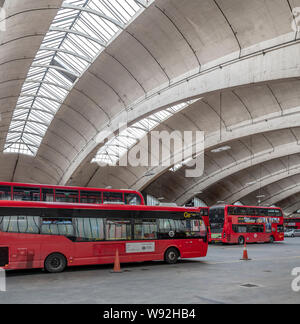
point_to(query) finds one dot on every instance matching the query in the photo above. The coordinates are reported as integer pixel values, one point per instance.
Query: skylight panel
(113, 150)
(77, 35)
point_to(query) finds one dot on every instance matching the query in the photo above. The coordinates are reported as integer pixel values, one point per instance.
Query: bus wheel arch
(55, 262)
(171, 255)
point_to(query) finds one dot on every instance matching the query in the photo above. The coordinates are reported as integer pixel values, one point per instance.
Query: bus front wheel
(171, 256)
(272, 239)
(241, 240)
(55, 263)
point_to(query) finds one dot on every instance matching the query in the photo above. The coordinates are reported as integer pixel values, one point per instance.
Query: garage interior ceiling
(72, 71)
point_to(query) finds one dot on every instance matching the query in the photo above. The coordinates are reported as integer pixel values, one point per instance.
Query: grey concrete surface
(214, 279)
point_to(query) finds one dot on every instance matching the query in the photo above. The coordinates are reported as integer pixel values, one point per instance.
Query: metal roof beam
(22, 143)
(47, 83)
(93, 12)
(56, 68)
(75, 32)
(18, 108)
(142, 3)
(60, 50)
(28, 133)
(42, 97)
(30, 121)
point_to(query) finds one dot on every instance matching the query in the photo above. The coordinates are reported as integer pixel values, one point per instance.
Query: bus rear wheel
(241, 240)
(55, 263)
(171, 256)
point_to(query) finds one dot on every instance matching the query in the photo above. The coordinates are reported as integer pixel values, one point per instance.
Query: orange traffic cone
(117, 267)
(245, 253)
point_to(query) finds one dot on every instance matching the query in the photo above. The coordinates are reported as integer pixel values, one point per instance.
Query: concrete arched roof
(283, 116)
(220, 166)
(171, 52)
(146, 62)
(291, 204)
(192, 89)
(252, 182)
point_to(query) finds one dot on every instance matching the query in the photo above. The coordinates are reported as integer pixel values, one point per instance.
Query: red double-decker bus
(53, 236)
(33, 192)
(240, 224)
(292, 223)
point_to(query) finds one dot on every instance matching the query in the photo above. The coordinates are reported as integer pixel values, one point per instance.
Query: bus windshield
(217, 219)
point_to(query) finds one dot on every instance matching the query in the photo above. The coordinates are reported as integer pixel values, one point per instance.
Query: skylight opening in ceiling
(113, 150)
(77, 35)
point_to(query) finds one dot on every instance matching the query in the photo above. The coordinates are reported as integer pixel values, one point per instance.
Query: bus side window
(112, 197)
(91, 197)
(57, 226)
(20, 224)
(132, 199)
(26, 194)
(118, 230)
(255, 229)
(231, 211)
(271, 212)
(171, 228)
(89, 229)
(244, 211)
(145, 229)
(236, 211)
(48, 195)
(5, 193)
(68, 196)
(239, 228)
(263, 212)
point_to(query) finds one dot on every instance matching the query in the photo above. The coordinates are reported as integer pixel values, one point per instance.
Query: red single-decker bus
(54, 236)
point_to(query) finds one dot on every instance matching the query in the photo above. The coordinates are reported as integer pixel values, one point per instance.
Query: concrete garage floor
(214, 279)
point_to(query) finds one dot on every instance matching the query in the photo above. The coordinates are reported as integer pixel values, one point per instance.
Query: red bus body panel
(28, 251)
